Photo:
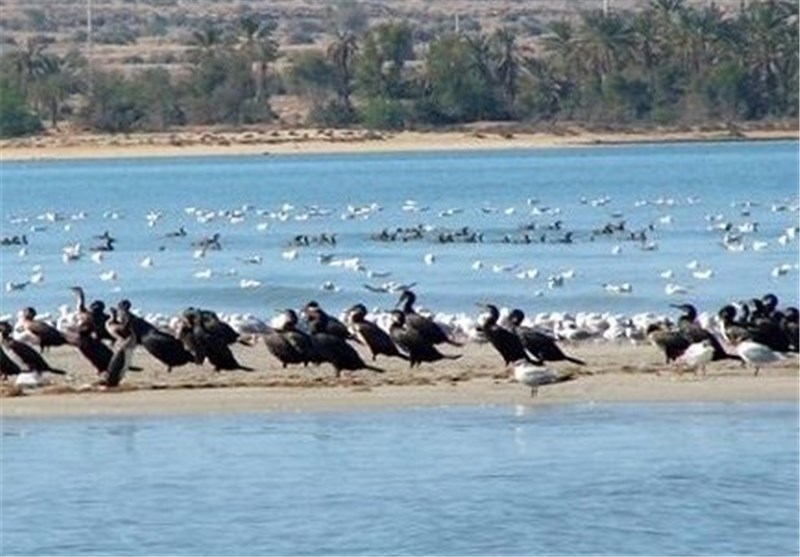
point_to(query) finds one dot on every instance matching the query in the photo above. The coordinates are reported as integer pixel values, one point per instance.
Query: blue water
(643, 185)
(666, 479)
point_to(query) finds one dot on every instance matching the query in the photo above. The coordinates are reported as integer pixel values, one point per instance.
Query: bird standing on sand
(32, 360)
(504, 341)
(428, 328)
(367, 332)
(332, 348)
(757, 354)
(414, 343)
(540, 345)
(535, 376)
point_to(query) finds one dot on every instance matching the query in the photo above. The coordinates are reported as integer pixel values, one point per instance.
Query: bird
(333, 349)
(210, 344)
(121, 359)
(411, 341)
(288, 344)
(697, 355)
(161, 345)
(535, 376)
(757, 354)
(8, 366)
(45, 335)
(539, 345)
(32, 360)
(371, 335)
(671, 342)
(693, 332)
(427, 327)
(332, 325)
(506, 342)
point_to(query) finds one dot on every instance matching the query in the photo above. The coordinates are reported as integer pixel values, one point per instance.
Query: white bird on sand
(535, 376)
(697, 355)
(757, 354)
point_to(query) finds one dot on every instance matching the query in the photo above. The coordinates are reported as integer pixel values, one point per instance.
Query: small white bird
(98, 257)
(205, 274)
(534, 376)
(693, 265)
(697, 355)
(108, 276)
(668, 274)
(146, 263)
(672, 289)
(37, 278)
(705, 274)
(757, 354)
(781, 270)
(249, 283)
(429, 259)
(290, 255)
(624, 288)
(477, 265)
(616, 250)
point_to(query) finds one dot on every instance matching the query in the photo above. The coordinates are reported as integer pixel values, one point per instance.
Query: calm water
(674, 188)
(600, 479)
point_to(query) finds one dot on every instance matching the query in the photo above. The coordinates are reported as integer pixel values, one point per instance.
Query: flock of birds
(759, 332)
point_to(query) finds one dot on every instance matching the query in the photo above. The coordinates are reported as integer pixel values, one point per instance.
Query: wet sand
(614, 373)
(266, 142)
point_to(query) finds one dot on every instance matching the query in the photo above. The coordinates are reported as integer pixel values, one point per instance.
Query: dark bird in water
(32, 360)
(7, 365)
(376, 339)
(539, 345)
(45, 335)
(506, 342)
(689, 328)
(411, 341)
(207, 344)
(332, 325)
(161, 345)
(288, 344)
(427, 327)
(332, 348)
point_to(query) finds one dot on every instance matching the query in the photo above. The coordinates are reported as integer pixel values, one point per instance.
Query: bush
(332, 114)
(15, 118)
(383, 114)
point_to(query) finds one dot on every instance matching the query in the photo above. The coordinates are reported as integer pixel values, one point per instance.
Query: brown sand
(615, 373)
(313, 141)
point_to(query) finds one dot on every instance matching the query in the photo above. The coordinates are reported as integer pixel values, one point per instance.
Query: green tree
(15, 117)
(507, 65)
(260, 48)
(383, 53)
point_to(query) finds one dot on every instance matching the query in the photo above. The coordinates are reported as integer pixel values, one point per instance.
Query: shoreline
(318, 142)
(616, 373)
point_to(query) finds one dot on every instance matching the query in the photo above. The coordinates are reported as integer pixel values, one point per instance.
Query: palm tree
(28, 63)
(605, 43)
(257, 44)
(341, 53)
(205, 41)
(507, 65)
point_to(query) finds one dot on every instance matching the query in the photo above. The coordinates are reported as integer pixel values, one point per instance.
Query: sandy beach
(319, 141)
(614, 373)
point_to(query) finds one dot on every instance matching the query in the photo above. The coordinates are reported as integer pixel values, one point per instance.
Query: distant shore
(319, 141)
(614, 373)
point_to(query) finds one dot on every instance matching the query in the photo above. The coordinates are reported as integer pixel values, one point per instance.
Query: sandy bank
(312, 141)
(614, 373)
